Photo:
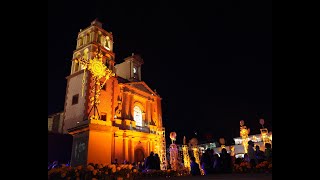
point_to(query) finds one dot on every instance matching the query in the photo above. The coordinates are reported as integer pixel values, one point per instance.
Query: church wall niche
(79, 148)
(117, 101)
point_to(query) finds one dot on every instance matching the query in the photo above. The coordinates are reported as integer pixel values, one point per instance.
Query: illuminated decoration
(173, 152)
(232, 153)
(264, 133)
(241, 122)
(186, 158)
(194, 146)
(261, 121)
(96, 67)
(161, 148)
(222, 142)
(173, 136)
(98, 71)
(174, 157)
(244, 132)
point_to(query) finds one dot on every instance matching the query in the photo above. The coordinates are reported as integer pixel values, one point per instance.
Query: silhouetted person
(259, 154)
(251, 154)
(216, 163)
(150, 162)
(268, 152)
(205, 162)
(225, 161)
(195, 169)
(115, 161)
(157, 161)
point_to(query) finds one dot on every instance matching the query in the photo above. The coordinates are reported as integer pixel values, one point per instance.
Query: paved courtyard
(260, 176)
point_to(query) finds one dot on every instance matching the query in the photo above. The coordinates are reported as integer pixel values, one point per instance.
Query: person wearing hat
(251, 154)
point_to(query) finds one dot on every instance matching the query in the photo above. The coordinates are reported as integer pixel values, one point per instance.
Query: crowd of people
(211, 162)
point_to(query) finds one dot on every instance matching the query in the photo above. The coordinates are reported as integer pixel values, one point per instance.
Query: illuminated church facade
(129, 117)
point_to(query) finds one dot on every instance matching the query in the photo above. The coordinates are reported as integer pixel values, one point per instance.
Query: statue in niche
(152, 122)
(79, 150)
(119, 108)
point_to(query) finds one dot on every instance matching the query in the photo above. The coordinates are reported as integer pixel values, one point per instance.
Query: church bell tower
(89, 42)
(92, 42)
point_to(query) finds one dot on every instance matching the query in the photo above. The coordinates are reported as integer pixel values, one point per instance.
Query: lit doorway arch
(139, 155)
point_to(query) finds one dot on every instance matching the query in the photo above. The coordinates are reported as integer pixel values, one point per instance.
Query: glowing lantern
(173, 136)
(222, 141)
(261, 121)
(193, 142)
(241, 122)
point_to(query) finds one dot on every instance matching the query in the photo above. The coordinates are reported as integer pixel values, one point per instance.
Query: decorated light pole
(195, 150)
(244, 132)
(173, 152)
(186, 158)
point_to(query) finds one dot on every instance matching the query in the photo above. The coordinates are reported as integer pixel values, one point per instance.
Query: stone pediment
(142, 86)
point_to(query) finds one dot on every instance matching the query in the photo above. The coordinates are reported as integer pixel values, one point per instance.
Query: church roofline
(135, 57)
(100, 28)
(145, 85)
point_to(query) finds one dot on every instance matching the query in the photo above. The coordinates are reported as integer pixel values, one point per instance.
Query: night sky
(210, 63)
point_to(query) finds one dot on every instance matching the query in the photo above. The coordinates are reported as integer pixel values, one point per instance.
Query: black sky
(210, 62)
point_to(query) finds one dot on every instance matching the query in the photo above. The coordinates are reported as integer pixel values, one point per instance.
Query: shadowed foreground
(247, 176)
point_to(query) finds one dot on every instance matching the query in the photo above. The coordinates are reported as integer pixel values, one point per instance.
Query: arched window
(88, 38)
(80, 41)
(99, 37)
(137, 115)
(107, 43)
(76, 66)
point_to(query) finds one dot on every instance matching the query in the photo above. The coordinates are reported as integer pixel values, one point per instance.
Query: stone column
(149, 110)
(125, 148)
(148, 147)
(132, 150)
(130, 106)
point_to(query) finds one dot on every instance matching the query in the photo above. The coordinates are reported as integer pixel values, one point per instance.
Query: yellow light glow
(186, 157)
(97, 68)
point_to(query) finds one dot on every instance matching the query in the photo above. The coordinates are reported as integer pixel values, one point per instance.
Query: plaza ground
(247, 176)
